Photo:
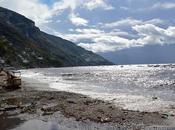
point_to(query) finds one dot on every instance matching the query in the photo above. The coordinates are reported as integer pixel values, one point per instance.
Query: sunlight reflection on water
(132, 87)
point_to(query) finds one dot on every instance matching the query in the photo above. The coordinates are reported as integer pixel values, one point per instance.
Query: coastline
(25, 102)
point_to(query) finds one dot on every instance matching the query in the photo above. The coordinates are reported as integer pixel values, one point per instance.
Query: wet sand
(26, 104)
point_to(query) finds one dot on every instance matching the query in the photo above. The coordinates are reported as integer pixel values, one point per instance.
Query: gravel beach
(27, 102)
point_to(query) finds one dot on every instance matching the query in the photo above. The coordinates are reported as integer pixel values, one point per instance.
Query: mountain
(22, 44)
(149, 54)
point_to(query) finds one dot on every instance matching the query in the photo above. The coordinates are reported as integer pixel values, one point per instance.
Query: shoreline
(27, 101)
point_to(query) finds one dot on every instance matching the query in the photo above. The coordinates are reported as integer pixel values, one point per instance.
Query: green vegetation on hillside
(22, 44)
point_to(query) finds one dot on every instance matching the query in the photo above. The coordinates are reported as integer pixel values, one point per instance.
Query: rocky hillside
(22, 44)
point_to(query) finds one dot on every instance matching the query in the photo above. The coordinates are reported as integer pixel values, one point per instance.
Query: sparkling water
(133, 87)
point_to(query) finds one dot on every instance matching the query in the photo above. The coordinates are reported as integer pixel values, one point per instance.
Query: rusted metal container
(10, 79)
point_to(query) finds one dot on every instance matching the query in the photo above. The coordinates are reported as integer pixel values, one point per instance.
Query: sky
(102, 26)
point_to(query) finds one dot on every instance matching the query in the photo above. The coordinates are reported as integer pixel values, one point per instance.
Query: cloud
(42, 13)
(124, 8)
(106, 42)
(129, 22)
(39, 12)
(89, 31)
(78, 21)
(93, 4)
(151, 34)
(123, 22)
(90, 34)
(62, 5)
(96, 47)
(87, 4)
(157, 22)
(32, 9)
(147, 5)
(97, 40)
(164, 5)
(103, 41)
(74, 4)
(108, 36)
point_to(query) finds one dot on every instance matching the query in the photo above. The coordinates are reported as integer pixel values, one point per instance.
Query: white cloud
(148, 5)
(78, 21)
(80, 36)
(41, 13)
(124, 8)
(105, 36)
(93, 4)
(98, 40)
(129, 22)
(32, 9)
(102, 41)
(74, 4)
(87, 4)
(38, 11)
(91, 34)
(164, 5)
(123, 22)
(151, 34)
(171, 31)
(107, 43)
(66, 4)
(96, 47)
(89, 31)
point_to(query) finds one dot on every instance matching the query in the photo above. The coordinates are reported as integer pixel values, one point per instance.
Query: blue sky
(102, 26)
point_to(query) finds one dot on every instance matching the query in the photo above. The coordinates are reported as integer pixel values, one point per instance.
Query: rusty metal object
(10, 79)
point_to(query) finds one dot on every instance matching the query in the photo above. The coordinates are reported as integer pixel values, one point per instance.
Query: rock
(26, 105)
(10, 107)
(111, 107)
(71, 101)
(87, 102)
(101, 111)
(164, 116)
(48, 107)
(156, 66)
(125, 112)
(123, 119)
(154, 98)
(47, 113)
(172, 107)
(105, 120)
(51, 98)
(2, 109)
(172, 115)
(114, 99)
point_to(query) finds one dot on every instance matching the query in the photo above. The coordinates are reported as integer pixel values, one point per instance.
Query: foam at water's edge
(131, 87)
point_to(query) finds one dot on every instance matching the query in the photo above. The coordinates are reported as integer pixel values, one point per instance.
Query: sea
(134, 87)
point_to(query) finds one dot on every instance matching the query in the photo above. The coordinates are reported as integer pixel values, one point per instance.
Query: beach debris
(6, 107)
(88, 102)
(164, 116)
(111, 107)
(154, 98)
(172, 106)
(47, 113)
(71, 101)
(103, 119)
(10, 79)
(10, 107)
